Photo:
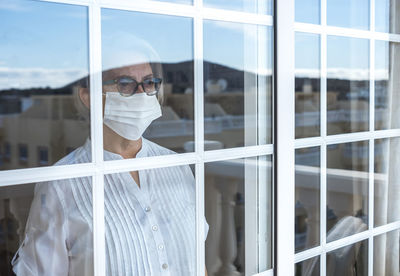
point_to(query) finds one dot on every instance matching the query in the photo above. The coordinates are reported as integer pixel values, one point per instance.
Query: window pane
(160, 50)
(347, 189)
(51, 224)
(238, 84)
(387, 16)
(386, 254)
(307, 85)
(387, 68)
(253, 6)
(40, 67)
(150, 220)
(386, 191)
(238, 200)
(348, 14)
(308, 11)
(348, 85)
(307, 198)
(348, 260)
(190, 2)
(310, 267)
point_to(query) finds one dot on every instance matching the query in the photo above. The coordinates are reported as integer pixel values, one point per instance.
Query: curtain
(387, 195)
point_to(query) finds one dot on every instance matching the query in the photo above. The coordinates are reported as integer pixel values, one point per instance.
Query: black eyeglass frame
(150, 93)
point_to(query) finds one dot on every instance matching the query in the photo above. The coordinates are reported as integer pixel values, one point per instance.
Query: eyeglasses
(128, 86)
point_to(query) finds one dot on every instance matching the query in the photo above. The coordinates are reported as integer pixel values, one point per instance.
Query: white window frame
(98, 167)
(324, 140)
(283, 149)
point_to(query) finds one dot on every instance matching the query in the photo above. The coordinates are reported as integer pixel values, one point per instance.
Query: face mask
(130, 116)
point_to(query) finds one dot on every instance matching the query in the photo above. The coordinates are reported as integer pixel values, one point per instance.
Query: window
(23, 153)
(7, 151)
(243, 137)
(345, 89)
(43, 156)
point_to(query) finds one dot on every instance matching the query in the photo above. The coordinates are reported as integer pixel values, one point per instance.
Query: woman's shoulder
(77, 156)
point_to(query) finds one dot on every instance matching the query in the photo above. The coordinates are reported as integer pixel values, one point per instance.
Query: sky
(46, 44)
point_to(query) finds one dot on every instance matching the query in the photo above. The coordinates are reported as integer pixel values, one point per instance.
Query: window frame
(324, 140)
(282, 149)
(97, 168)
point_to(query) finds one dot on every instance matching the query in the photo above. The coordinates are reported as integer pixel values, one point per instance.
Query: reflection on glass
(237, 191)
(307, 198)
(310, 267)
(348, 261)
(307, 85)
(348, 85)
(387, 16)
(159, 54)
(307, 11)
(189, 2)
(40, 66)
(387, 197)
(253, 6)
(347, 189)
(387, 254)
(51, 224)
(387, 68)
(348, 14)
(238, 84)
(150, 220)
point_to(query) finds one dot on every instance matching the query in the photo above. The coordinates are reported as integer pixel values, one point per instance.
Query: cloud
(38, 77)
(13, 6)
(343, 73)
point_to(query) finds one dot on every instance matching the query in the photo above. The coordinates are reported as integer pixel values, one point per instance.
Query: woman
(149, 215)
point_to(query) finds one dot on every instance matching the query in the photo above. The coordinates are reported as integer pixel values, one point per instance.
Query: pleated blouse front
(149, 230)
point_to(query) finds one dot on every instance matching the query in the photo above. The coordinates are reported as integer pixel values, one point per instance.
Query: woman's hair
(121, 49)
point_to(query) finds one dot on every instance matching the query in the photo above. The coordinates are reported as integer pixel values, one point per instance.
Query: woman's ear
(84, 95)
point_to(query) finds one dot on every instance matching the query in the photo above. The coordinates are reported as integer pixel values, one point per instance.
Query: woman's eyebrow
(149, 75)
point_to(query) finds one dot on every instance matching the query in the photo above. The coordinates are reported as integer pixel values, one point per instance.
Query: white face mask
(130, 116)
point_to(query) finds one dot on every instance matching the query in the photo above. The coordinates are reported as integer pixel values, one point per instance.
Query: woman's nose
(140, 88)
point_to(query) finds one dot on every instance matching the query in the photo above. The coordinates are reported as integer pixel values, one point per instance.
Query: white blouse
(149, 230)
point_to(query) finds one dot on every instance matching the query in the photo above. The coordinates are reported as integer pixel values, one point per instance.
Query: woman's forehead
(136, 71)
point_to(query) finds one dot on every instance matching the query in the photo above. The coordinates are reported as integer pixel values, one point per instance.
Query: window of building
(23, 153)
(43, 156)
(7, 152)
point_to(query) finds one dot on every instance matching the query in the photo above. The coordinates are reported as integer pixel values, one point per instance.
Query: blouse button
(154, 227)
(164, 266)
(147, 209)
(160, 247)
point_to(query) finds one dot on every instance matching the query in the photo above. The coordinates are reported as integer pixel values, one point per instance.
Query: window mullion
(284, 137)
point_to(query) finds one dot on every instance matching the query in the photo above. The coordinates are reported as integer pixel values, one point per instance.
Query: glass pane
(387, 16)
(310, 267)
(51, 224)
(348, 261)
(307, 198)
(387, 254)
(348, 85)
(156, 58)
(150, 220)
(347, 189)
(238, 201)
(348, 14)
(307, 11)
(253, 6)
(387, 185)
(238, 84)
(41, 116)
(190, 2)
(387, 68)
(307, 85)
